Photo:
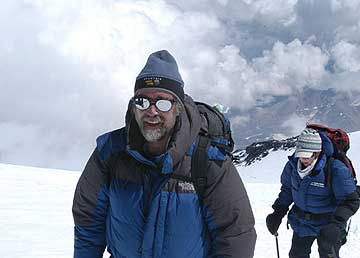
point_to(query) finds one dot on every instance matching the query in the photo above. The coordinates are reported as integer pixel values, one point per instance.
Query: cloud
(292, 66)
(346, 56)
(70, 65)
(295, 124)
(278, 72)
(281, 11)
(35, 145)
(238, 121)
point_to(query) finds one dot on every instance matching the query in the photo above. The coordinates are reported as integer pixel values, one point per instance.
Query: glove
(331, 233)
(273, 220)
(273, 223)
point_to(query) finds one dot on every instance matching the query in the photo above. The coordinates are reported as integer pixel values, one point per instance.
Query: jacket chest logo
(317, 184)
(186, 187)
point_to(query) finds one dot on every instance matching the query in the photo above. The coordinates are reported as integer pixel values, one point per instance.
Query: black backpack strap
(328, 171)
(181, 178)
(199, 165)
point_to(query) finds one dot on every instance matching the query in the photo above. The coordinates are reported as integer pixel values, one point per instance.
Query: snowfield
(36, 219)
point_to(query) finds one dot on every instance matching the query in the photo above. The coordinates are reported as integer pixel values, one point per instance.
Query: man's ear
(130, 112)
(179, 108)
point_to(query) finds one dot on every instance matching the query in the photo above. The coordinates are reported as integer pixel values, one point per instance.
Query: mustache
(156, 119)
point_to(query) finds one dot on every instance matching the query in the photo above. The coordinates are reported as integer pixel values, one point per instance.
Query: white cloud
(344, 81)
(115, 37)
(31, 144)
(71, 65)
(292, 66)
(348, 33)
(281, 11)
(340, 5)
(279, 72)
(346, 56)
(238, 121)
(295, 124)
(228, 75)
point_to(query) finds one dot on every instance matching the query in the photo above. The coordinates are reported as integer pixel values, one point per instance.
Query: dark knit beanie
(161, 71)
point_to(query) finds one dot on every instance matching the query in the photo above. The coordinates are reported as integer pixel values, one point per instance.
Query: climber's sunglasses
(143, 103)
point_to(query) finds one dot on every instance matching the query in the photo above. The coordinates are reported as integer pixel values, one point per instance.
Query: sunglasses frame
(153, 102)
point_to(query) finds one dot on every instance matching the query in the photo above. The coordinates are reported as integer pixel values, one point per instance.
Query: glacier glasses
(143, 103)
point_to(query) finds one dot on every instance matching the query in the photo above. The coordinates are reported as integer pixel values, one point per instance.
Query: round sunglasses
(163, 105)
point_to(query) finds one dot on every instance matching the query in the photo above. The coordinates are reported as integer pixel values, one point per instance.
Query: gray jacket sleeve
(89, 210)
(228, 213)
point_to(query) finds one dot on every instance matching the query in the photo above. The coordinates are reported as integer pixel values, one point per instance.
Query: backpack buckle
(201, 181)
(307, 216)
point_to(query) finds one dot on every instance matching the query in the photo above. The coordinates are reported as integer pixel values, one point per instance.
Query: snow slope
(36, 219)
(35, 212)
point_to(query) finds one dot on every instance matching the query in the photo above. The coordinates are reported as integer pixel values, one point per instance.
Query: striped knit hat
(308, 142)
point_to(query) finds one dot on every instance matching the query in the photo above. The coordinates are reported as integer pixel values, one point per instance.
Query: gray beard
(153, 135)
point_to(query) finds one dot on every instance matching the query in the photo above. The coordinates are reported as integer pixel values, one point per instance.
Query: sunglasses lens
(141, 103)
(163, 105)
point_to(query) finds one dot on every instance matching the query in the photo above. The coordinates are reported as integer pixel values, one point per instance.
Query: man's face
(153, 123)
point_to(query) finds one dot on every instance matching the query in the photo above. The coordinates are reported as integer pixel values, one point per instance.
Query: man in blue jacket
(127, 200)
(320, 211)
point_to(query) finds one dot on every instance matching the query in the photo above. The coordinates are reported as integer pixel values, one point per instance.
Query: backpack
(218, 134)
(341, 144)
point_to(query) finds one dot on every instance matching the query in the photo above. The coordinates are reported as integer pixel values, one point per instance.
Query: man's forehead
(154, 92)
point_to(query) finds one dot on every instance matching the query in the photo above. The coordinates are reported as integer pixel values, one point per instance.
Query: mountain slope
(283, 115)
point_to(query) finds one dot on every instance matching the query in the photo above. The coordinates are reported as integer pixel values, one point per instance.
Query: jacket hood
(186, 130)
(327, 146)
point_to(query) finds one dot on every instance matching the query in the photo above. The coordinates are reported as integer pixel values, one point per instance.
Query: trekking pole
(277, 244)
(348, 228)
(334, 253)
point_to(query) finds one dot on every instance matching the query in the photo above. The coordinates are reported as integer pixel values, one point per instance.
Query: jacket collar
(186, 130)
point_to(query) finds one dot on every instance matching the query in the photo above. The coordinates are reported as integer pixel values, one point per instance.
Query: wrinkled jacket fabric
(312, 194)
(129, 203)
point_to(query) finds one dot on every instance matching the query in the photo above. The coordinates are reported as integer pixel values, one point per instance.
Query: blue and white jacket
(129, 203)
(312, 194)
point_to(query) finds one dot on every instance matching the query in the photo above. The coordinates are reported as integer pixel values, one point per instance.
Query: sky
(36, 219)
(67, 68)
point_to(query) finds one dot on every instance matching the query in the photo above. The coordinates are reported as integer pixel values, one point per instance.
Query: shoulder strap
(328, 168)
(328, 171)
(198, 165)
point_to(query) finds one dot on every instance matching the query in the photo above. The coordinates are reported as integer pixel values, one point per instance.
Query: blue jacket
(129, 203)
(312, 194)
